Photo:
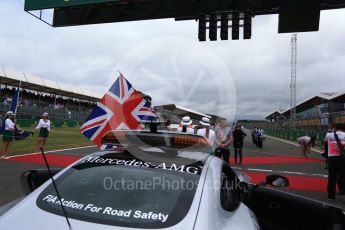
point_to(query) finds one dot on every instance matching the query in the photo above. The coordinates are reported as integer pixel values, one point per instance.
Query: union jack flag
(122, 107)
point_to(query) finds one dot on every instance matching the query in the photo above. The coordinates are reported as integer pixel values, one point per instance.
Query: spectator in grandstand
(336, 153)
(238, 136)
(69, 113)
(186, 125)
(206, 131)
(7, 100)
(44, 127)
(304, 142)
(8, 134)
(223, 140)
(26, 102)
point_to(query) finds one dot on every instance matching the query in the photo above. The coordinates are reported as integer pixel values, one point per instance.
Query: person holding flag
(122, 107)
(44, 127)
(8, 136)
(10, 130)
(9, 126)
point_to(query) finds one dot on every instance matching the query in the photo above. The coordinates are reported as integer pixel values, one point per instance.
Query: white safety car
(160, 180)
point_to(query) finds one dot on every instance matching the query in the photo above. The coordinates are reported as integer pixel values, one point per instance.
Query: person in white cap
(8, 134)
(44, 127)
(185, 123)
(206, 131)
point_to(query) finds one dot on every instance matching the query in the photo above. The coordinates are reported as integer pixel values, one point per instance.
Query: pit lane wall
(289, 134)
(54, 123)
(304, 126)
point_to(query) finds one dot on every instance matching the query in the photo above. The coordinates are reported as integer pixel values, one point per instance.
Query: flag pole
(19, 95)
(120, 73)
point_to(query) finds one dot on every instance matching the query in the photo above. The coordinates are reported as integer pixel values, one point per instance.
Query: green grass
(59, 138)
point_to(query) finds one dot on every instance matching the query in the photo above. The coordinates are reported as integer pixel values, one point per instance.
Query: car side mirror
(32, 179)
(277, 181)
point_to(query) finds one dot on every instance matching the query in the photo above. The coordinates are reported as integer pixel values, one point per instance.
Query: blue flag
(2, 126)
(21, 135)
(14, 102)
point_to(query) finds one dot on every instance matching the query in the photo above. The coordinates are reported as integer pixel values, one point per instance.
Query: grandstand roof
(274, 114)
(11, 77)
(311, 101)
(339, 97)
(182, 111)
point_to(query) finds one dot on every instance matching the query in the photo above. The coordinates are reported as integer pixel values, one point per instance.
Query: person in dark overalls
(253, 133)
(238, 136)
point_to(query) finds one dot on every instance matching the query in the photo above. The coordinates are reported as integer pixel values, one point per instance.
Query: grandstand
(312, 117)
(64, 102)
(174, 113)
(315, 112)
(38, 95)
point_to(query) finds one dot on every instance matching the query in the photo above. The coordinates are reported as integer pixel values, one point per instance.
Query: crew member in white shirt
(8, 135)
(206, 131)
(304, 143)
(336, 168)
(185, 126)
(44, 127)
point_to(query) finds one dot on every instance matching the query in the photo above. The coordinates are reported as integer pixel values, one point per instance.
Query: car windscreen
(124, 192)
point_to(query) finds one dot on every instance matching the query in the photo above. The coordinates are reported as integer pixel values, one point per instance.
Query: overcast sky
(163, 58)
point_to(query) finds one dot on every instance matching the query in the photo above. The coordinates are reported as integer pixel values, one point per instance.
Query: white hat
(45, 115)
(205, 121)
(9, 113)
(186, 121)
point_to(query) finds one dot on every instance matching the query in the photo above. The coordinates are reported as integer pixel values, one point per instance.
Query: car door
(220, 205)
(281, 210)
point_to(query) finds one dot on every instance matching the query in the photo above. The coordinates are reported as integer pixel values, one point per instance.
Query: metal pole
(293, 81)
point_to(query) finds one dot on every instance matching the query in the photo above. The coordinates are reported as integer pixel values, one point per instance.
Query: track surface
(307, 176)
